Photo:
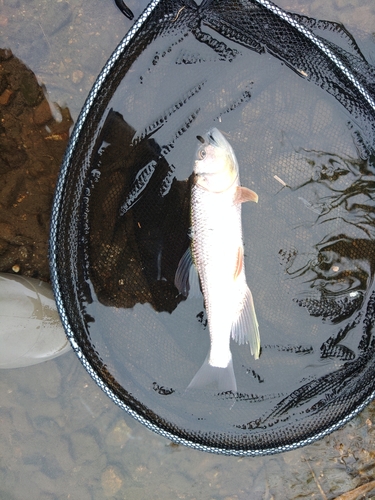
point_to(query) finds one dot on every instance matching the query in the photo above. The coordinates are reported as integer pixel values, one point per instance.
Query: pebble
(111, 481)
(5, 97)
(84, 447)
(21, 421)
(64, 457)
(77, 76)
(55, 17)
(51, 384)
(42, 113)
(3, 21)
(3, 246)
(7, 232)
(30, 89)
(50, 408)
(119, 435)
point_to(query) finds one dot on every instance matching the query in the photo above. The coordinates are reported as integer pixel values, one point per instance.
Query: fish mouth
(210, 138)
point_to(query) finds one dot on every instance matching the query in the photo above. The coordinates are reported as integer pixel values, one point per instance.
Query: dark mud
(33, 136)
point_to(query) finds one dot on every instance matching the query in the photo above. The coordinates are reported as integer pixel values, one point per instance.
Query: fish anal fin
(245, 327)
(239, 263)
(244, 194)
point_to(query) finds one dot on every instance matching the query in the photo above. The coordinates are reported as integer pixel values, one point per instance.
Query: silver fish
(218, 255)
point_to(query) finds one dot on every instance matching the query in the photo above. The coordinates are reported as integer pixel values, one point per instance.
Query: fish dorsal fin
(245, 327)
(239, 263)
(244, 194)
(186, 278)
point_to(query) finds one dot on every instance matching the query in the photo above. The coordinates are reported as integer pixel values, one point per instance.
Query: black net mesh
(294, 96)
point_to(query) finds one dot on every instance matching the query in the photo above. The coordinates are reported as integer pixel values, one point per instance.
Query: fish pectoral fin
(224, 378)
(244, 194)
(194, 283)
(181, 279)
(186, 278)
(239, 263)
(245, 327)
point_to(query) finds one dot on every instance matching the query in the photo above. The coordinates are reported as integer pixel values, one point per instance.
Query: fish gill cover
(293, 96)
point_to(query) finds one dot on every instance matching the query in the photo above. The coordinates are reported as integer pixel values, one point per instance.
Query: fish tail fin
(245, 327)
(207, 374)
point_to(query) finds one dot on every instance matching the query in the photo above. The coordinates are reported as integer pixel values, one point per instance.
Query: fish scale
(216, 220)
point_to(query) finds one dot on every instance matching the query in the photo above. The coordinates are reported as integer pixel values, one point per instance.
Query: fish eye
(202, 154)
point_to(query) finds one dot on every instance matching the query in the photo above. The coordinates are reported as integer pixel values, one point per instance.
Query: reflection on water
(335, 275)
(135, 253)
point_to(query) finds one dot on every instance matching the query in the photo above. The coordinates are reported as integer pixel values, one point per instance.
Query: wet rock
(46, 425)
(111, 481)
(3, 246)
(31, 91)
(5, 97)
(49, 409)
(44, 482)
(77, 76)
(47, 464)
(56, 16)
(49, 379)
(30, 158)
(84, 447)
(3, 82)
(64, 457)
(21, 421)
(5, 54)
(7, 232)
(42, 113)
(119, 435)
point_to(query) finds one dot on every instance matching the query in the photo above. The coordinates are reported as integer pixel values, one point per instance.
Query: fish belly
(217, 237)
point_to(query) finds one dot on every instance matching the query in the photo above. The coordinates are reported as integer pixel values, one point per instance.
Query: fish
(215, 259)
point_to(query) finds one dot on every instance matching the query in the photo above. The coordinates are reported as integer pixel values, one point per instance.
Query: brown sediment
(32, 144)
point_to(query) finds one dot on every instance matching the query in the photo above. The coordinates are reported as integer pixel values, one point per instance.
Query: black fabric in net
(294, 97)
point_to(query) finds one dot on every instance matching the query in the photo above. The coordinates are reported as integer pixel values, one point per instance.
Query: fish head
(215, 167)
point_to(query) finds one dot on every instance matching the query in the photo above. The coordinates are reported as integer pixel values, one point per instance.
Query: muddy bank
(33, 136)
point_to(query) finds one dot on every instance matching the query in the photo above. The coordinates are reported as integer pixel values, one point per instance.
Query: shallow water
(61, 437)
